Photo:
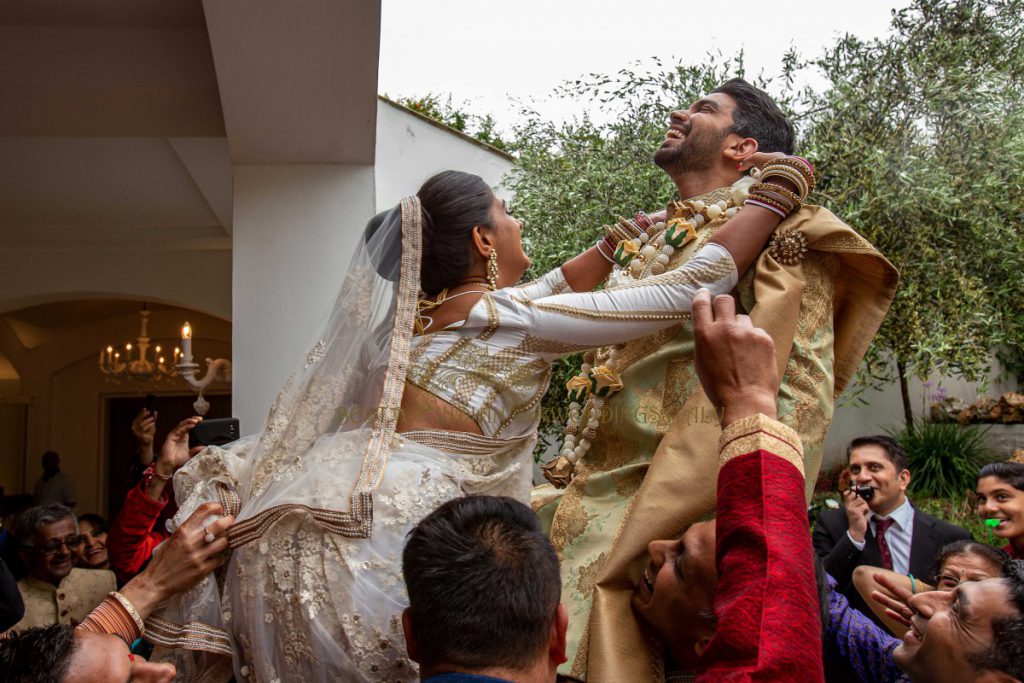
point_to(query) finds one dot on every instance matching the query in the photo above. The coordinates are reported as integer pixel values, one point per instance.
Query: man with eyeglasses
(54, 591)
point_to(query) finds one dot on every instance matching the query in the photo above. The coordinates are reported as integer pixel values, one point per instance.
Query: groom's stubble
(695, 154)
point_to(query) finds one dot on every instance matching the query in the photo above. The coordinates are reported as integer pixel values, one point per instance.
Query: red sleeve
(132, 537)
(769, 625)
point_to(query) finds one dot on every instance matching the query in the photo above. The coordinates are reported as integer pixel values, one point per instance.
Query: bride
(426, 385)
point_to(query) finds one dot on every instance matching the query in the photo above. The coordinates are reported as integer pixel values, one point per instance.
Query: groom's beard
(695, 153)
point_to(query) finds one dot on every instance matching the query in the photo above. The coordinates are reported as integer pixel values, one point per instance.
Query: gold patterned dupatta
(654, 466)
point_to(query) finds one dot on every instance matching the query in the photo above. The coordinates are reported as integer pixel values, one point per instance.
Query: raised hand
(144, 429)
(735, 361)
(897, 608)
(758, 160)
(192, 552)
(857, 512)
(175, 451)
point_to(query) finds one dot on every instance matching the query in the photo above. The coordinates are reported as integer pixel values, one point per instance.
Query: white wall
(884, 408)
(411, 148)
(295, 230)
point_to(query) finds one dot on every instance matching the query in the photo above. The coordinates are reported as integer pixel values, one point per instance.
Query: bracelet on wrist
(150, 473)
(765, 205)
(606, 257)
(776, 195)
(795, 170)
(132, 612)
(643, 221)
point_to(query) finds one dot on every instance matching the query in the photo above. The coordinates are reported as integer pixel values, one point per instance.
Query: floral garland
(646, 255)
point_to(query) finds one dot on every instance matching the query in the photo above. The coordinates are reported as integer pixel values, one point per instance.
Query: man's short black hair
(37, 655)
(483, 584)
(1006, 653)
(893, 450)
(757, 116)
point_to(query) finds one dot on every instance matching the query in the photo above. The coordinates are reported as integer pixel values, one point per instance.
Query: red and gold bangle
(130, 609)
(787, 173)
(798, 171)
(800, 165)
(643, 221)
(765, 204)
(788, 201)
(616, 234)
(117, 616)
(777, 193)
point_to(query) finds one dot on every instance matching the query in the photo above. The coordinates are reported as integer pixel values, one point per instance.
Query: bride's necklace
(647, 255)
(424, 321)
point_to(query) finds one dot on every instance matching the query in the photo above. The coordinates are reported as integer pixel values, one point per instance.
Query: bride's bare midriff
(423, 410)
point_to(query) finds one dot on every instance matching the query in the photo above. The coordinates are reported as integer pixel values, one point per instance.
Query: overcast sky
(486, 53)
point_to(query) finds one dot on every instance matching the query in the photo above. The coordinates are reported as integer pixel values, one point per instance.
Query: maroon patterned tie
(881, 526)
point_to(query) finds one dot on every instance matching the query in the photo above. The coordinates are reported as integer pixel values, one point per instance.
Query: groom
(819, 289)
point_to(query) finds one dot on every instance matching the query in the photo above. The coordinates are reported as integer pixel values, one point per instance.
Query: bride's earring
(492, 270)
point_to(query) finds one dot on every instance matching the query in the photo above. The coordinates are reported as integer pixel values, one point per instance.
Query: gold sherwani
(652, 469)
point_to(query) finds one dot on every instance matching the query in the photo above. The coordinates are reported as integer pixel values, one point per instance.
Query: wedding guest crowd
(742, 597)
(55, 591)
(879, 526)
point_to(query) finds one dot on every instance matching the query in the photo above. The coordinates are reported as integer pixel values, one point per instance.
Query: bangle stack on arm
(775, 196)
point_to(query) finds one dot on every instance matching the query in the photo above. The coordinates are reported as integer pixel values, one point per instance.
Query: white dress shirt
(898, 535)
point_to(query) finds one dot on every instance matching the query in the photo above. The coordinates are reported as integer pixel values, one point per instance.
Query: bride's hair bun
(453, 203)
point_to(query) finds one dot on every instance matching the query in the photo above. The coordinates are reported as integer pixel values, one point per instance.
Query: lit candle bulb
(110, 353)
(127, 347)
(186, 342)
(161, 360)
(158, 348)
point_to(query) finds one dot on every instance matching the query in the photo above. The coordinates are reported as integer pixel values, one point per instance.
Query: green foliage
(483, 128)
(943, 457)
(919, 142)
(962, 511)
(920, 139)
(573, 177)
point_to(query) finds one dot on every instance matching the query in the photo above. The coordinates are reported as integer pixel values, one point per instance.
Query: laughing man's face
(695, 136)
(948, 627)
(676, 592)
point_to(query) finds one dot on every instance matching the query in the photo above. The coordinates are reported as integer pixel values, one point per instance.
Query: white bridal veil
(306, 595)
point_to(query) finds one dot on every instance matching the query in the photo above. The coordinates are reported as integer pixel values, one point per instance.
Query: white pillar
(295, 230)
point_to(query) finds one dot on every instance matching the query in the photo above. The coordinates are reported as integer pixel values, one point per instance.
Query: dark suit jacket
(12, 609)
(840, 556)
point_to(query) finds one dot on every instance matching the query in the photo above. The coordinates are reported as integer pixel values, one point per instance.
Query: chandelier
(135, 363)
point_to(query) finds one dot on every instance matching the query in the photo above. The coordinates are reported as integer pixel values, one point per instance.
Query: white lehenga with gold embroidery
(326, 493)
